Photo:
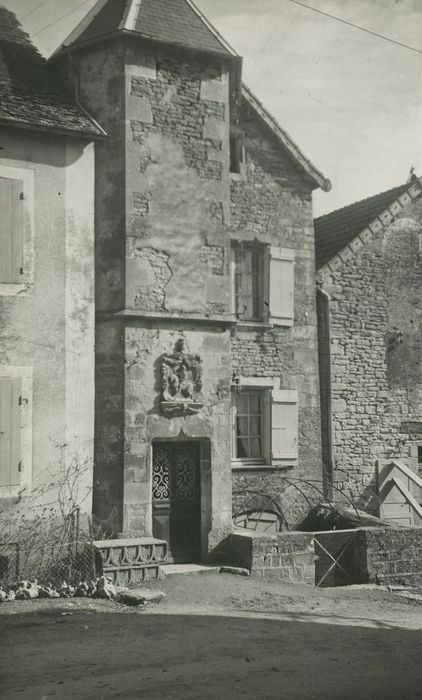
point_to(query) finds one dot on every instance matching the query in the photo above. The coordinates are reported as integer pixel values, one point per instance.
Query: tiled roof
(335, 230)
(30, 93)
(171, 21)
(176, 21)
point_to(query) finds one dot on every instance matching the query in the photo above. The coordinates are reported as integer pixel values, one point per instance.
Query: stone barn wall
(376, 366)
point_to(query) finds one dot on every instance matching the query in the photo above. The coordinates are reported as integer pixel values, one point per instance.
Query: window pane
(255, 426)
(255, 447)
(242, 426)
(242, 448)
(242, 403)
(254, 403)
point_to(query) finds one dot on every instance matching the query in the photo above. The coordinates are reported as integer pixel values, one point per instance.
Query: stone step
(132, 560)
(185, 569)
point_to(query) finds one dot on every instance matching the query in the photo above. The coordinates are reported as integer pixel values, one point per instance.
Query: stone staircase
(129, 561)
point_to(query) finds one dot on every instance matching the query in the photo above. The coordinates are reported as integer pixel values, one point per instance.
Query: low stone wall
(288, 556)
(394, 555)
(375, 555)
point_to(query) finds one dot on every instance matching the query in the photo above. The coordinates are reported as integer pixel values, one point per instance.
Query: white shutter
(284, 425)
(281, 286)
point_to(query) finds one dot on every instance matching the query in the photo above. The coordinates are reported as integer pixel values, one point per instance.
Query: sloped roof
(171, 21)
(336, 230)
(287, 143)
(31, 95)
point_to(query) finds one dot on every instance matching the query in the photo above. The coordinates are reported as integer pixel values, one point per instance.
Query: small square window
(248, 265)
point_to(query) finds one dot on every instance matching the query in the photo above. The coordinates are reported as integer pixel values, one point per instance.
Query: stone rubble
(102, 588)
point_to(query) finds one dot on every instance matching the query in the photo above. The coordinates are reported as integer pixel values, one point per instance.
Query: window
(249, 425)
(11, 230)
(265, 425)
(263, 283)
(419, 458)
(248, 278)
(236, 153)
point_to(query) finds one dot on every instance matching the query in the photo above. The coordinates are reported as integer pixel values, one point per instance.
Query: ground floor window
(249, 434)
(265, 425)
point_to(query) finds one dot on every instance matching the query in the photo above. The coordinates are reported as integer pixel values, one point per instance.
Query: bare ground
(216, 636)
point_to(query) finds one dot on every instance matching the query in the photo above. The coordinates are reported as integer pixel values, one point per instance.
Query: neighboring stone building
(46, 282)
(206, 346)
(370, 322)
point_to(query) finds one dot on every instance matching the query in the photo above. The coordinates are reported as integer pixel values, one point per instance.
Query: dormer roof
(31, 95)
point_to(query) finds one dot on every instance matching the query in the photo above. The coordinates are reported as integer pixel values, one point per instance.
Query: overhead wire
(59, 19)
(357, 26)
(34, 9)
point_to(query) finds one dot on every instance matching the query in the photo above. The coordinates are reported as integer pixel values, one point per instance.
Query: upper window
(11, 230)
(263, 283)
(236, 153)
(248, 282)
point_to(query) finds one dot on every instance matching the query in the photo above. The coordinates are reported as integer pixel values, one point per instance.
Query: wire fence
(60, 553)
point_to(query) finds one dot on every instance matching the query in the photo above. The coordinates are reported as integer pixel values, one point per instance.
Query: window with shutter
(284, 426)
(281, 286)
(10, 431)
(11, 230)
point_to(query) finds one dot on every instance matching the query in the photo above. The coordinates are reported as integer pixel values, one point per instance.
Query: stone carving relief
(181, 376)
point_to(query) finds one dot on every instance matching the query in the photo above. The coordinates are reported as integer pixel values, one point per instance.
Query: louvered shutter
(10, 431)
(284, 425)
(11, 230)
(281, 286)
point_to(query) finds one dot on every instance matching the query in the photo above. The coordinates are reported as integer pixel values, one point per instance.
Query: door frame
(205, 505)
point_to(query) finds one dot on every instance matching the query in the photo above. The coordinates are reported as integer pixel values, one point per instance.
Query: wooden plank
(6, 230)
(17, 224)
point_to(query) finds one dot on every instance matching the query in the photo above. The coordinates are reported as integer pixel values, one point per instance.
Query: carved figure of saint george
(181, 376)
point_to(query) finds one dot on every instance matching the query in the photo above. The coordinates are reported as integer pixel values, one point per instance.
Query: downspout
(324, 355)
(77, 89)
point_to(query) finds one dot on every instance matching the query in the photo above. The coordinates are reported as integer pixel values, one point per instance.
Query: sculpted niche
(181, 378)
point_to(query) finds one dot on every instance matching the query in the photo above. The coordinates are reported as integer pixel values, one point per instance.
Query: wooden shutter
(284, 425)
(281, 286)
(10, 431)
(11, 230)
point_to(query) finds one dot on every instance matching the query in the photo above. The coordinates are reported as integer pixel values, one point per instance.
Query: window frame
(262, 280)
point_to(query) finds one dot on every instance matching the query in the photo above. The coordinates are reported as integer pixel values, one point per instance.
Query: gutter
(324, 356)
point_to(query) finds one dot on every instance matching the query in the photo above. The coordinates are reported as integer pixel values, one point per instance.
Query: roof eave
(76, 46)
(384, 219)
(316, 177)
(60, 131)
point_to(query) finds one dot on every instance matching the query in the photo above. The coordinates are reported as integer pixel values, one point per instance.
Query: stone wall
(167, 212)
(271, 202)
(177, 135)
(285, 557)
(376, 373)
(394, 556)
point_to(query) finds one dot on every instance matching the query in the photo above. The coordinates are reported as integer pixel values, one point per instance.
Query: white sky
(351, 101)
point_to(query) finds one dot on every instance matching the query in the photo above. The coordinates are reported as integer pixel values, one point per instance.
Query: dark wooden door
(176, 498)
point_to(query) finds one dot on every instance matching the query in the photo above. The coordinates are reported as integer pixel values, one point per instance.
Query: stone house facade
(46, 281)
(369, 272)
(206, 341)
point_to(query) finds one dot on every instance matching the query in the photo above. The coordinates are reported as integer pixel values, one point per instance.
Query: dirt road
(217, 637)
